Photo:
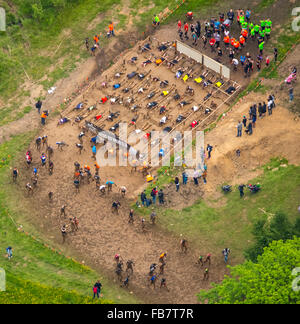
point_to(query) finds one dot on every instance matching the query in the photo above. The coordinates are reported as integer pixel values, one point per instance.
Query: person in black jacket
(38, 106)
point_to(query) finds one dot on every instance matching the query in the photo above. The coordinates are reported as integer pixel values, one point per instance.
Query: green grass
(20, 291)
(35, 264)
(230, 224)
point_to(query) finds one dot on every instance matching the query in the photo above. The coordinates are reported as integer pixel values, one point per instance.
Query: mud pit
(102, 233)
(144, 83)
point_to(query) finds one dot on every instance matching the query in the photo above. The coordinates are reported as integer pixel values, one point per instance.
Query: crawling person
(115, 206)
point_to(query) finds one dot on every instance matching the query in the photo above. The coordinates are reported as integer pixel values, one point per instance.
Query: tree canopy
(269, 281)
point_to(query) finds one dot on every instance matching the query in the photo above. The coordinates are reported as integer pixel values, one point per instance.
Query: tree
(269, 281)
(265, 232)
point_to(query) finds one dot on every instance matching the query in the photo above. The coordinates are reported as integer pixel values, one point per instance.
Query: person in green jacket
(256, 29)
(262, 34)
(263, 24)
(261, 47)
(252, 33)
(156, 20)
(268, 32)
(269, 23)
(244, 25)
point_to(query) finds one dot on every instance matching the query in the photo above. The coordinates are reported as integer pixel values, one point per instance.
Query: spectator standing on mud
(64, 233)
(38, 106)
(209, 149)
(177, 183)
(291, 94)
(244, 121)
(239, 129)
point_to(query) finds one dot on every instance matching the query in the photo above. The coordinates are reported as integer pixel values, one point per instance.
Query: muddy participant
(143, 224)
(125, 282)
(50, 196)
(109, 185)
(200, 260)
(119, 270)
(43, 159)
(163, 284)
(162, 257)
(28, 158)
(206, 274)
(208, 259)
(38, 143)
(183, 245)
(51, 167)
(29, 188)
(123, 191)
(63, 210)
(131, 219)
(162, 268)
(45, 141)
(80, 147)
(77, 184)
(129, 266)
(64, 233)
(34, 182)
(87, 45)
(77, 166)
(102, 190)
(153, 281)
(97, 180)
(50, 151)
(153, 218)
(115, 206)
(153, 267)
(76, 223)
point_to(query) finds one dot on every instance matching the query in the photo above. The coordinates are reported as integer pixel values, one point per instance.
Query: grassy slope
(231, 223)
(33, 261)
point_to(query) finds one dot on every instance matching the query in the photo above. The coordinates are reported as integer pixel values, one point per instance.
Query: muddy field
(103, 233)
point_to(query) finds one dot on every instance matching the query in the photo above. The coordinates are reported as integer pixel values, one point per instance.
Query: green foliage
(265, 231)
(269, 281)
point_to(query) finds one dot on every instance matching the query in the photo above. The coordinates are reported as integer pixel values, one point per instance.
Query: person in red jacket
(212, 43)
(179, 25)
(186, 30)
